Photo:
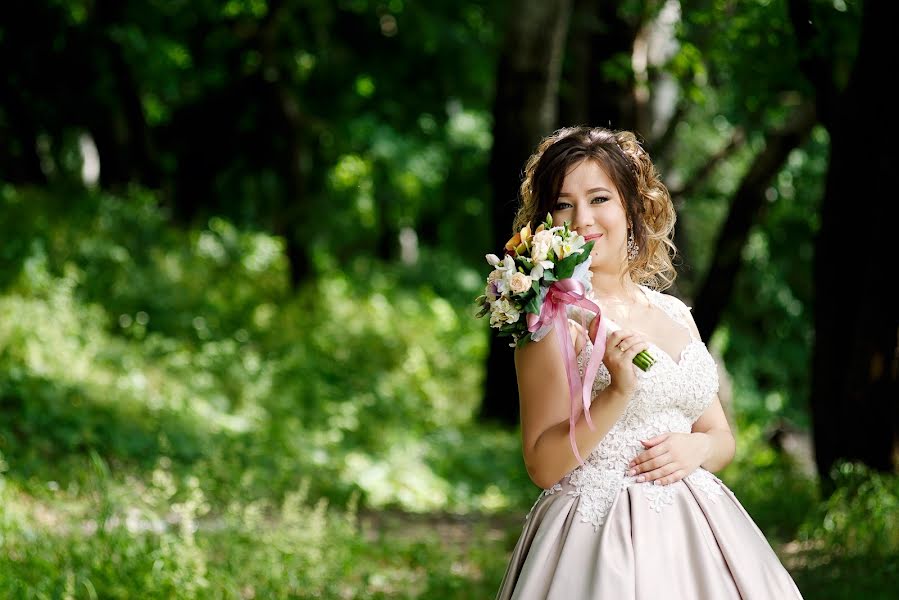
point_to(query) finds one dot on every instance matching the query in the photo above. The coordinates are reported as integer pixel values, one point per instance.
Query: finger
(634, 350)
(648, 454)
(652, 463)
(629, 341)
(675, 476)
(657, 439)
(616, 337)
(658, 473)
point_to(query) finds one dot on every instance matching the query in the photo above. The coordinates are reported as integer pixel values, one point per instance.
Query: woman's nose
(581, 221)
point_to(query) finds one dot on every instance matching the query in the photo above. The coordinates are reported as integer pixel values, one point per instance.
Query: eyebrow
(590, 191)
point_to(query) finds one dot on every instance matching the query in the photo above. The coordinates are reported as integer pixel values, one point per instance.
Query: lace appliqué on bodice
(669, 398)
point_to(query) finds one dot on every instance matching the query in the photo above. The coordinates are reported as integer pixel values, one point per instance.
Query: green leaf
(565, 267)
(533, 306)
(549, 276)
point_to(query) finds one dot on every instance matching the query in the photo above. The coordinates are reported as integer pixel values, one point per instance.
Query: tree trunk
(597, 35)
(525, 109)
(855, 414)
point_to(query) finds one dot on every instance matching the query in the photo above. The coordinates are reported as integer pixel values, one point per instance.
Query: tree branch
(702, 174)
(745, 208)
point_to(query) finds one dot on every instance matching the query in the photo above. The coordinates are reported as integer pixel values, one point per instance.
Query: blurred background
(241, 242)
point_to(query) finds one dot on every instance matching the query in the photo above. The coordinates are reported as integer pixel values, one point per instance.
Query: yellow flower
(512, 244)
(526, 235)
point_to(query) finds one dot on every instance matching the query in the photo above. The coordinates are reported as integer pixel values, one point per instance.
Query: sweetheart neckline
(648, 293)
(680, 356)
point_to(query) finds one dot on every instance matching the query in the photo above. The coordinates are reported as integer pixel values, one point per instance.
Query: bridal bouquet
(526, 297)
(533, 264)
(519, 284)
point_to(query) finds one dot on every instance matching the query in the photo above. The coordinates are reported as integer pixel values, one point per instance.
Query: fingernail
(657, 482)
(631, 472)
(640, 478)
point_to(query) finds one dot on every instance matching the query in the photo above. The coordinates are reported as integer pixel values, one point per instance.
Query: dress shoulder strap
(671, 306)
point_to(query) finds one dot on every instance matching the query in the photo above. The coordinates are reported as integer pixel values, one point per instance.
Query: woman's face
(591, 203)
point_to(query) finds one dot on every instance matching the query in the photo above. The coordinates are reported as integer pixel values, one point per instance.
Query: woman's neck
(615, 288)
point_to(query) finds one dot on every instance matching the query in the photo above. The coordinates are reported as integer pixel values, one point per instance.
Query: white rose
(544, 236)
(540, 245)
(519, 283)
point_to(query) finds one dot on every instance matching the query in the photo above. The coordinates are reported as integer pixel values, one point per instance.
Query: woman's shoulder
(666, 298)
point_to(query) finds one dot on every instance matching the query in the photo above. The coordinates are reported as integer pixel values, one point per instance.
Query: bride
(644, 516)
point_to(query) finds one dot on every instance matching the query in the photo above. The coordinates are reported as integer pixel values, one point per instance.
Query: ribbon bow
(561, 293)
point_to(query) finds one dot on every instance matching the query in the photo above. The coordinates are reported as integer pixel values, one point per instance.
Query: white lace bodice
(670, 396)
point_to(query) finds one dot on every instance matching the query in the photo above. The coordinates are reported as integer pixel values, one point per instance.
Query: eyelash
(603, 198)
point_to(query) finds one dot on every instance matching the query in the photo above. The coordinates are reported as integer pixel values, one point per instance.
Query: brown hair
(646, 200)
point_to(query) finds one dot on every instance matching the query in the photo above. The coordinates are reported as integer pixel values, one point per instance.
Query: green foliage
(756, 470)
(218, 369)
(151, 376)
(861, 517)
(159, 540)
(849, 544)
(774, 295)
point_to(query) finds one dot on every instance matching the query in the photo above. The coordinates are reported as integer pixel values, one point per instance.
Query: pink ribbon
(559, 294)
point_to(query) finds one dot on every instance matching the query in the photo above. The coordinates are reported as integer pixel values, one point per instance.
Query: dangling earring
(632, 247)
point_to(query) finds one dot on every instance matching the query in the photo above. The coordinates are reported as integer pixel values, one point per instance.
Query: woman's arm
(713, 424)
(545, 404)
(721, 445)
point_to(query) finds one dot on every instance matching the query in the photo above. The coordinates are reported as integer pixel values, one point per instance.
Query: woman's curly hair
(646, 200)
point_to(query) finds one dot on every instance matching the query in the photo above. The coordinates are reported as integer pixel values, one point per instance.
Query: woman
(644, 517)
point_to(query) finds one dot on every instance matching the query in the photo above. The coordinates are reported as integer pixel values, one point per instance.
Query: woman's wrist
(612, 393)
(719, 449)
(708, 447)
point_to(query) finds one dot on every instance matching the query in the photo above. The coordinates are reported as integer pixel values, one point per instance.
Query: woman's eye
(562, 205)
(603, 198)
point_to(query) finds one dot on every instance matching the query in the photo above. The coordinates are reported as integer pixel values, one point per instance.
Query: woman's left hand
(670, 457)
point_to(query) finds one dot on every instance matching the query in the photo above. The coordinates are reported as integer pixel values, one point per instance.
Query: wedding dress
(600, 534)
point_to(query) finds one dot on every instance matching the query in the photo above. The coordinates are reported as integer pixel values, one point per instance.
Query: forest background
(241, 242)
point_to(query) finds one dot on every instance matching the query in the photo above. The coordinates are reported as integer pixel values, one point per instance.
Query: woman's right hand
(621, 348)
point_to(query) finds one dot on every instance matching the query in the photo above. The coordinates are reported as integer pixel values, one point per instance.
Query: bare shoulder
(670, 299)
(677, 305)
